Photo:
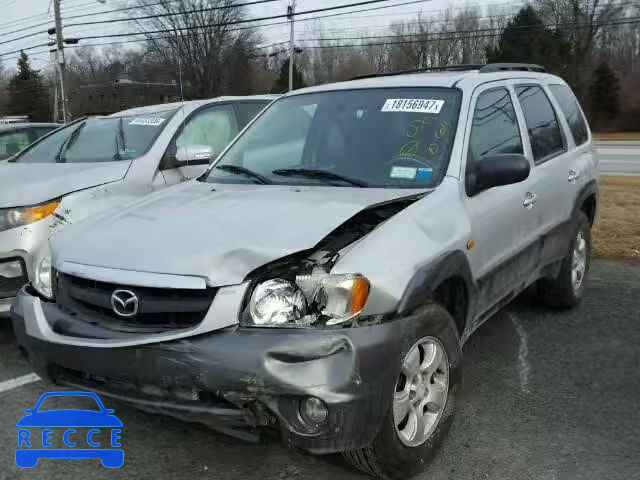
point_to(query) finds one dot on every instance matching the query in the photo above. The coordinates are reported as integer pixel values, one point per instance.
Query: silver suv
(322, 276)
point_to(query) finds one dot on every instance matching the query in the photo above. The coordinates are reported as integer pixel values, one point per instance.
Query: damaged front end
(293, 360)
(300, 291)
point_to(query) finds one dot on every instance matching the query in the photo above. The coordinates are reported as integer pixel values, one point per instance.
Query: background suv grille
(158, 307)
(9, 287)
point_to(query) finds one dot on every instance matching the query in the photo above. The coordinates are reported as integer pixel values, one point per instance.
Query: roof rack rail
(446, 68)
(512, 67)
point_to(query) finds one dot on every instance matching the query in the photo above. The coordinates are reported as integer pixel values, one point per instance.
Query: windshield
(99, 139)
(390, 138)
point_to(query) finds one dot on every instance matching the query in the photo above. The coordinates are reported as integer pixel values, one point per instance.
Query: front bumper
(238, 379)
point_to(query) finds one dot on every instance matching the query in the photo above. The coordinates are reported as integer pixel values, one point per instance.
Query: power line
(145, 17)
(629, 20)
(237, 22)
(162, 15)
(23, 29)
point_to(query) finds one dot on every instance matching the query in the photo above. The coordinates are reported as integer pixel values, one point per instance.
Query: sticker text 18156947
(415, 105)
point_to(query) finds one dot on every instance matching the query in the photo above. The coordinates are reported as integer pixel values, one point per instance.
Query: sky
(374, 21)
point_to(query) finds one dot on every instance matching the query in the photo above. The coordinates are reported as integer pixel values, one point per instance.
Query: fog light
(11, 269)
(313, 411)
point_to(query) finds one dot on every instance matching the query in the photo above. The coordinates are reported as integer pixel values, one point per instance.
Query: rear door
(583, 164)
(553, 155)
(502, 221)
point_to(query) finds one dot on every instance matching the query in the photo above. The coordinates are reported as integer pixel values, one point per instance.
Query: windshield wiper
(319, 175)
(59, 158)
(238, 170)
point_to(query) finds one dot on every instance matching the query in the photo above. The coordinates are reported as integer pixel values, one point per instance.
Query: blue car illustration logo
(59, 426)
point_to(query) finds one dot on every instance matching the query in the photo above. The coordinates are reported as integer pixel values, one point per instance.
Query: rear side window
(542, 124)
(571, 110)
(248, 110)
(12, 142)
(495, 127)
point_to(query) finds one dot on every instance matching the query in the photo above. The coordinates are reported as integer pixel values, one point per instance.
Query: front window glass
(213, 127)
(100, 139)
(392, 137)
(495, 127)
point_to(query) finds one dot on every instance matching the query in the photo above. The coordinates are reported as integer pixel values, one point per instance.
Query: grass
(619, 136)
(616, 234)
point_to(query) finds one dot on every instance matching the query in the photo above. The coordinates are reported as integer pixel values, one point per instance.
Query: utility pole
(291, 11)
(60, 55)
(56, 116)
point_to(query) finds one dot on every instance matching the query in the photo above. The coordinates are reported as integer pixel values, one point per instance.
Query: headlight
(42, 272)
(277, 302)
(321, 299)
(19, 216)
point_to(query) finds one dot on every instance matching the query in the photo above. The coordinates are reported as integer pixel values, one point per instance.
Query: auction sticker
(408, 173)
(414, 105)
(147, 121)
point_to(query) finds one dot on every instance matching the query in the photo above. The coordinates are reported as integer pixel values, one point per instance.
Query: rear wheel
(423, 401)
(567, 289)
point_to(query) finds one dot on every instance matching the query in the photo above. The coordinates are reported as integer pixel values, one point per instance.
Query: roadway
(619, 158)
(547, 395)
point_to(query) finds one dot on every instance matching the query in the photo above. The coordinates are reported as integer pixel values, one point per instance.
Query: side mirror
(497, 170)
(194, 155)
(29, 410)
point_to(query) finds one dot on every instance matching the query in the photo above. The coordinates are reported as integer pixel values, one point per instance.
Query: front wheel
(567, 289)
(423, 400)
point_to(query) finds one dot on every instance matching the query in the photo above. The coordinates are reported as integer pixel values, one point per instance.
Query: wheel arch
(447, 281)
(587, 201)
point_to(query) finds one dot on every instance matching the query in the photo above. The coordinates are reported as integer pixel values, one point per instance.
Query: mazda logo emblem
(125, 303)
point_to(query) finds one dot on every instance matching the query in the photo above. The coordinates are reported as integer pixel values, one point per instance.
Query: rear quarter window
(571, 110)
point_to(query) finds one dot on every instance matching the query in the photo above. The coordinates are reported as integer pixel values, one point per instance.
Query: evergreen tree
(525, 39)
(604, 96)
(282, 82)
(28, 94)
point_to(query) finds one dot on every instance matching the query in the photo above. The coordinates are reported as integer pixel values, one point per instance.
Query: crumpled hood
(217, 232)
(24, 184)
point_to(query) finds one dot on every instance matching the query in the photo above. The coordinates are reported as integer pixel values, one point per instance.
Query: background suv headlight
(312, 300)
(19, 216)
(42, 275)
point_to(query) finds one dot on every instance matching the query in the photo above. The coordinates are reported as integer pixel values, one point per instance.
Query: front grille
(159, 308)
(9, 287)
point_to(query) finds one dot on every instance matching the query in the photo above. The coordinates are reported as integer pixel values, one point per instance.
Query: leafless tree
(204, 38)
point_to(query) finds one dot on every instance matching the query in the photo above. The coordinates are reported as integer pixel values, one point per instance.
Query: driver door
(502, 220)
(205, 133)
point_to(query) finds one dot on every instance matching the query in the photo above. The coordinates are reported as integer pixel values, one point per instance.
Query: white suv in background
(98, 163)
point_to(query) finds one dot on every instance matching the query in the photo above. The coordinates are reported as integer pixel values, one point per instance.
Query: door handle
(530, 200)
(573, 176)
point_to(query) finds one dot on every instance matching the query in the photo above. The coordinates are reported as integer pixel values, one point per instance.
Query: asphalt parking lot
(547, 395)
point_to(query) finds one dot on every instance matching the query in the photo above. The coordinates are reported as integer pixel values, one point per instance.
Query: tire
(562, 292)
(388, 456)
